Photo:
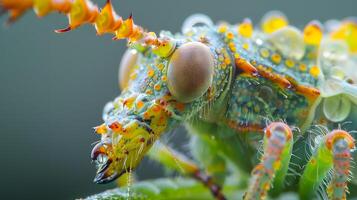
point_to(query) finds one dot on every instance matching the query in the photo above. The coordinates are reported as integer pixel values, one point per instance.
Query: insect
(263, 105)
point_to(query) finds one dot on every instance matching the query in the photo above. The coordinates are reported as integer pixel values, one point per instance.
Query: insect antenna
(105, 21)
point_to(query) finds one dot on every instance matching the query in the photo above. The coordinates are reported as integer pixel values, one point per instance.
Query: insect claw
(63, 30)
(99, 149)
(104, 166)
(103, 178)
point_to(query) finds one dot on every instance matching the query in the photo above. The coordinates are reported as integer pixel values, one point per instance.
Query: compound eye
(190, 71)
(126, 66)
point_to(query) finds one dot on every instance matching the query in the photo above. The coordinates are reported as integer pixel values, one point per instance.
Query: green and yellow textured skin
(249, 99)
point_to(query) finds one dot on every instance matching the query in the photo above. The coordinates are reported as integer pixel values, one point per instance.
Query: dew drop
(337, 108)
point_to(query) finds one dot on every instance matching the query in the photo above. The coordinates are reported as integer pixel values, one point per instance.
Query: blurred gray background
(53, 88)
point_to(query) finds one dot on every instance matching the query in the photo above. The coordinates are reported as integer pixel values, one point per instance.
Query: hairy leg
(272, 169)
(179, 162)
(333, 154)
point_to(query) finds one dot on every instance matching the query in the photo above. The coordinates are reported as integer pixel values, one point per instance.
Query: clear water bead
(337, 108)
(289, 41)
(333, 57)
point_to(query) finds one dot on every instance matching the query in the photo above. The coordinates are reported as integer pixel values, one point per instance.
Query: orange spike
(107, 21)
(246, 66)
(126, 29)
(14, 15)
(64, 30)
(136, 34)
(82, 12)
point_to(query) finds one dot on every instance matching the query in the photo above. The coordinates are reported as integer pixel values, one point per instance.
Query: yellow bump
(223, 66)
(273, 21)
(289, 63)
(313, 33)
(149, 92)
(303, 67)
(264, 53)
(164, 78)
(236, 55)
(232, 47)
(276, 58)
(348, 32)
(227, 61)
(315, 71)
(222, 28)
(101, 129)
(266, 187)
(245, 29)
(147, 115)
(151, 72)
(165, 48)
(277, 165)
(245, 46)
(128, 102)
(160, 66)
(157, 87)
(230, 35)
(139, 104)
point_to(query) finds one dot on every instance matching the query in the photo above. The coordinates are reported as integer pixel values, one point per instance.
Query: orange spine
(80, 12)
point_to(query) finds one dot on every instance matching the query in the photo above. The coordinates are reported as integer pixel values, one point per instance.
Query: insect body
(237, 90)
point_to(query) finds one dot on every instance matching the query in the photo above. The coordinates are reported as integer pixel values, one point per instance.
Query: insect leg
(179, 162)
(209, 159)
(333, 152)
(278, 142)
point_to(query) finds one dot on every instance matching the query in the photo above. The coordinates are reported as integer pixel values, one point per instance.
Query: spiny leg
(342, 155)
(333, 152)
(179, 162)
(278, 142)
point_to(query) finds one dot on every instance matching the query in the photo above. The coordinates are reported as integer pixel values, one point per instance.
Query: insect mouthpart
(100, 155)
(125, 139)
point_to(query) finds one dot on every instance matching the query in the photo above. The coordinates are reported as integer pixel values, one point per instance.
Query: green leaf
(165, 188)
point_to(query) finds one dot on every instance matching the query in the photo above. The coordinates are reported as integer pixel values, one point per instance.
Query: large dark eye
(190, 71)
(126, 66)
